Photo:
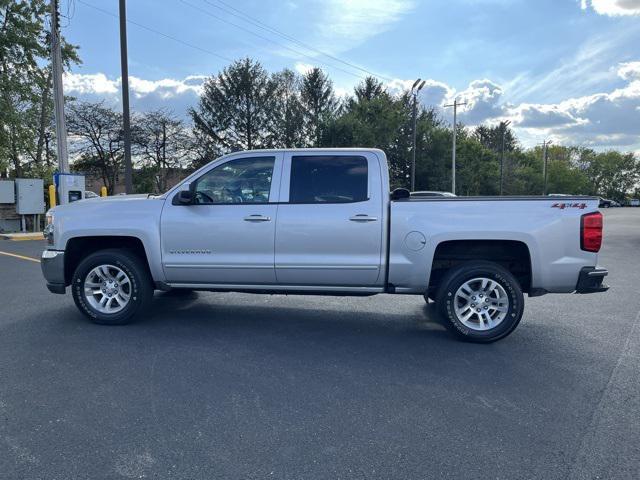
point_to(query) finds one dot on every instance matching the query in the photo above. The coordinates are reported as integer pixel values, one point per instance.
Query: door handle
(257, 218)
(361, 217)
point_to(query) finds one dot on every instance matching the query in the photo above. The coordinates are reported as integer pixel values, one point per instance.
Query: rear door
(330, 220)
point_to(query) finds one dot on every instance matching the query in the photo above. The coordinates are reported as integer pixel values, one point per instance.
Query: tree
(25, 83)
(491, 137)
(235, 107)
(612, 174)
(286, 128)
(369, 89)
(97, 139)
(319, 105)
(161, 142)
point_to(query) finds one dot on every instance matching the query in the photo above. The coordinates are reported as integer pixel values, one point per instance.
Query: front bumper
(52, 264)
(590, 280)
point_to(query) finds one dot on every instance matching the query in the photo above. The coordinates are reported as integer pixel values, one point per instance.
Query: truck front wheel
(482, 300)
(110, 286)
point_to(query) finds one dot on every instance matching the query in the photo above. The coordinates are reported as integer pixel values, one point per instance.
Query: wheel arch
(78, 248)
(513, 255)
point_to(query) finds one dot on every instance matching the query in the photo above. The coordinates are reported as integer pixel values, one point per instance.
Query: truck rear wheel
(111, 286)
(482, 300)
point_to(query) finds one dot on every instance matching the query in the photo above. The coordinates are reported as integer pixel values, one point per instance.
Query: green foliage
(26, 105)
(234, 109)
(287, 115)
(319, 105)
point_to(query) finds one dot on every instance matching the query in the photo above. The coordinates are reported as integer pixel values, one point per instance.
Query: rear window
(328, 179)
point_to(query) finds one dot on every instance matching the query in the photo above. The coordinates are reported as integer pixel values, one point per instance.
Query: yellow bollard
(52, 196)
(103, 191)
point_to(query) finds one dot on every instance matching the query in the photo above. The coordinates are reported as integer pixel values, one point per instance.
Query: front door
(227, 235)
(329, 228)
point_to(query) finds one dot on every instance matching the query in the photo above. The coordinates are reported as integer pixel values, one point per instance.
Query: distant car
(430, 193)
(605, 203)
(615, 204)
(558, 195)
(634, 202)
(90, 194)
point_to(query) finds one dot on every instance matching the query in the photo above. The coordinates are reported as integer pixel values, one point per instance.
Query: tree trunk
(42, 127)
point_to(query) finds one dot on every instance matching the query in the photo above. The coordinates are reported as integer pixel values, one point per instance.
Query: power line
(298, 52)
(157, 32)
(230, 9)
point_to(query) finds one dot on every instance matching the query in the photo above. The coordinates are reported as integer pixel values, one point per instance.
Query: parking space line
(22, 257)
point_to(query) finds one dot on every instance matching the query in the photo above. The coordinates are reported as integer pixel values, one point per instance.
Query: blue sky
(562, 69)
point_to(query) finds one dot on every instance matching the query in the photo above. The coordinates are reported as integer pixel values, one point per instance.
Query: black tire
(457, 276)
(141, 289)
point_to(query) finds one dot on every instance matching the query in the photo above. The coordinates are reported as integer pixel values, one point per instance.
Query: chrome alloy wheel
(107, 289)
(481, 304)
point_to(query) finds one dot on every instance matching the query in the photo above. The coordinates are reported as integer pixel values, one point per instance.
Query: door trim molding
(212, 266)
(272, 287)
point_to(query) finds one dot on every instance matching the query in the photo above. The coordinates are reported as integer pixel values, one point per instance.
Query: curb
(16, 237)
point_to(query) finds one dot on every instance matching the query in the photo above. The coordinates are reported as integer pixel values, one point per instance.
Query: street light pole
(455, 106)
(414, 92)
(504, 132)
(126, 123)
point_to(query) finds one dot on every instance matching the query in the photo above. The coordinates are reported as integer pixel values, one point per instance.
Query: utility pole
(58, 93)
(455, 106)
(128, 168)
(414, 92)
(504, 126)
(545, 145)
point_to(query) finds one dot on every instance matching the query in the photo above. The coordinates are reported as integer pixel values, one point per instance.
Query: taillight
(591, 232)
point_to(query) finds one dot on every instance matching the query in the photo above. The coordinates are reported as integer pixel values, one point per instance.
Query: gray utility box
(7, 191)
(29, 196)
(70, 187)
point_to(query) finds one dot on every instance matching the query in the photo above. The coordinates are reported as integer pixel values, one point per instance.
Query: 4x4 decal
(562, 206)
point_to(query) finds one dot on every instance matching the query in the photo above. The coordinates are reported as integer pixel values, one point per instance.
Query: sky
(560, 70)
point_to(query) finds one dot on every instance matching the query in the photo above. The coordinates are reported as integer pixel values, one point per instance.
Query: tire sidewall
(127, 265)
(497, 274)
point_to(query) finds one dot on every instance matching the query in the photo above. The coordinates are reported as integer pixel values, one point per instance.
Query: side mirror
(400, 194)
(183, 197)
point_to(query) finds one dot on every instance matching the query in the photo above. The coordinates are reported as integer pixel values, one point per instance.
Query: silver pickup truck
(322, 221)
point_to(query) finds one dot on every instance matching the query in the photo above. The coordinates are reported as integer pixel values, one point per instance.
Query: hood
(96, 204)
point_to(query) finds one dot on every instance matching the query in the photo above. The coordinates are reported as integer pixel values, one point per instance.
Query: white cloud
(176, 95)
(601, 119)
(303, 68)
(608, 119)
(345, 24)
(483, 98)
(96, 83)
(433, 93)
(629, 70)
(612, 7)
(605, 119)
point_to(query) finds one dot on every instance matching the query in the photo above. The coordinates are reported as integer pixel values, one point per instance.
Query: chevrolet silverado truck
(322, 221)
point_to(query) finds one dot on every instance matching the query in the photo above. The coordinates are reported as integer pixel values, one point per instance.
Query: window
(328, 179)
(246, 180)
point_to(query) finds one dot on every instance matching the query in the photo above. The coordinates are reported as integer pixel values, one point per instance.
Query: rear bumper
(52, 264)
(590, 280)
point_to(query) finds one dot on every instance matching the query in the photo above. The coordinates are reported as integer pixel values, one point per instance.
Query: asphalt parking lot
(249, 386)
